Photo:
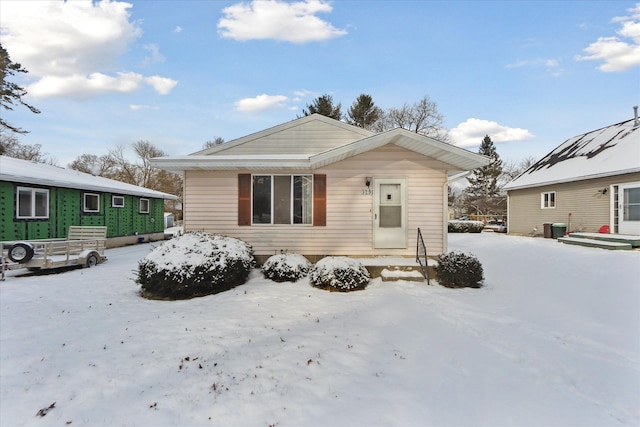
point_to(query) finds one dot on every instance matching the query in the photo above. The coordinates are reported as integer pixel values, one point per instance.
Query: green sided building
(40, 201)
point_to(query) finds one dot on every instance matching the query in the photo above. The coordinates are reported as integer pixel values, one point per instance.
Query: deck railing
(421, 256)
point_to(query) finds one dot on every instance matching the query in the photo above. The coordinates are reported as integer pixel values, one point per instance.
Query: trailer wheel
(92, 260)
(21, 252)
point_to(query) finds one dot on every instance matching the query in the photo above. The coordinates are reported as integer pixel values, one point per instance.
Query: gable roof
(610, 151)
(353, 141)
(27, 172)
(287, 135)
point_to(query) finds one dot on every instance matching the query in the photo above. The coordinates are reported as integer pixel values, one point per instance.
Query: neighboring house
(589, 181)
(40, 201)
(318, 186)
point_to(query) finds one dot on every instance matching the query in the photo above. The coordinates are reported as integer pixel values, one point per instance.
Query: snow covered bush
(194, 264)
(456, 226)
(459, 270)
(286, 267)
(339, 274)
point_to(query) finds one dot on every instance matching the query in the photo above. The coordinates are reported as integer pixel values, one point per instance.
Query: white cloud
(177, 29)
(273, 19)
(260, 102)
(550, 65)
(162, 85)
(71, 48)
(472, 131)
(81, 86)
(137, 107)
(617, 53)
(154, 52)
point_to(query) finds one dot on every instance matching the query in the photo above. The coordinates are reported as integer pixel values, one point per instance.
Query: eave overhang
(456, 158)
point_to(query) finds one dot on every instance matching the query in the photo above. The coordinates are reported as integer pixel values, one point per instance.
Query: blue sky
(180, 73)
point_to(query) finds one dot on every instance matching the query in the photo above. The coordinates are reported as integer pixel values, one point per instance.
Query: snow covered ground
(552, 339)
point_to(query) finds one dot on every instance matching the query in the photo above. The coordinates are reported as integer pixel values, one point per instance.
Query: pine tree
(363, 112)
(324, 105)
(10, 93)
(483, 193)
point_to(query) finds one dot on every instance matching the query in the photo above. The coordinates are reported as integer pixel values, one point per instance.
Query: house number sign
(367, 191)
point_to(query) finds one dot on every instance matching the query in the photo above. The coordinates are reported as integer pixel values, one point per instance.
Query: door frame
(386, 238)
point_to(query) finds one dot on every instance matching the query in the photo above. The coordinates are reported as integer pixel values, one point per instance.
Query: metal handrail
(421, 256)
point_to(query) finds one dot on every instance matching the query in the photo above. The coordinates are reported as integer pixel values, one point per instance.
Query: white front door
(629, 208)
(389, 213)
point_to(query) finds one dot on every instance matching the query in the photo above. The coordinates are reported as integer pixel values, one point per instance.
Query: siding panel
(589, 208)
(212, 206)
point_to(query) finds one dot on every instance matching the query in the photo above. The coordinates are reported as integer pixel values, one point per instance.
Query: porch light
(367, 181)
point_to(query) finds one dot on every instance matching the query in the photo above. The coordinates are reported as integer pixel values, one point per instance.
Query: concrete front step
(593, 243)
(395, 275)
(620, 238)
(391, 268)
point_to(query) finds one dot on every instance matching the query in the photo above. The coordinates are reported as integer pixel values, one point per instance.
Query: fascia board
(231, 162)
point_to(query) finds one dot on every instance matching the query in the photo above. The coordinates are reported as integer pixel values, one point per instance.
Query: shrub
(456, 226)
(339, 274)
(459, 270)
(286, 267)
(194, 264)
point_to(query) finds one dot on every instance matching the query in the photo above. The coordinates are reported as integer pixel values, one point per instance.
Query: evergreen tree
(483, 193)
(363, 112)
(10, 93)
(324, 105)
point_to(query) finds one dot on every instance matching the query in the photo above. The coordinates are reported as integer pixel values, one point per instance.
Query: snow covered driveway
(552, 339)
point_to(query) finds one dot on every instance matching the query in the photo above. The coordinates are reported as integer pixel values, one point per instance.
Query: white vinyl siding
(211, 204)
(318, 137)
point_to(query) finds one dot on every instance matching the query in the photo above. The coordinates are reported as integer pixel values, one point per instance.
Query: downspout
(445, 216)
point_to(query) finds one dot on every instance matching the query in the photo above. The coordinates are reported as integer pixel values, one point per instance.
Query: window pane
(552, 200)
(282, 199)
(302, 199)
(91, 203)
(117, 201)
(144, 205)
(24, 203)
(390, 206)
(631, 208)
(262, 199)
(390, 216)
(42, 202)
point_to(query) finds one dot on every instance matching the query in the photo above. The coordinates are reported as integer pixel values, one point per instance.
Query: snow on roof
(612, 150)
(27, 172)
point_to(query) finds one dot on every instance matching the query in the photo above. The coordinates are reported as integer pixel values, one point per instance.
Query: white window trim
(142, 211)
(32, 209)
(117, 205)
(272, 201)
(542, 197)
(84, 203)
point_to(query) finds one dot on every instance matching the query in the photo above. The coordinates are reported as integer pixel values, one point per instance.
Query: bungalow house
(40, 201)
(318, 186)
(589, 181)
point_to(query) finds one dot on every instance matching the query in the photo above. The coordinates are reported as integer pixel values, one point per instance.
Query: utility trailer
(84, 246)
